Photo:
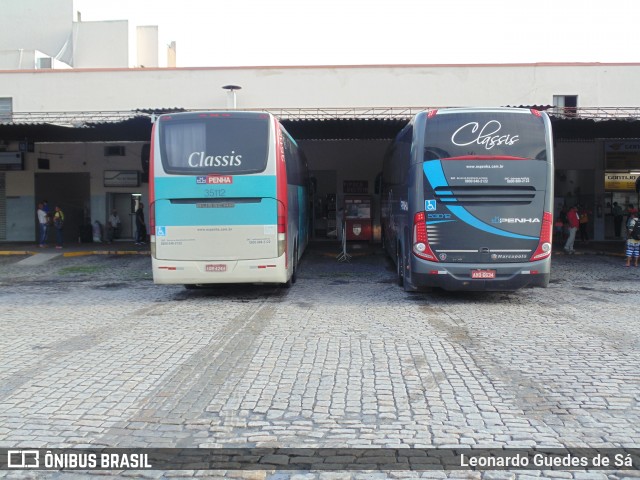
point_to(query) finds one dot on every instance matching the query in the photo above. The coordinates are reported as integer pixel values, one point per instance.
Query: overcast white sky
(352, 32)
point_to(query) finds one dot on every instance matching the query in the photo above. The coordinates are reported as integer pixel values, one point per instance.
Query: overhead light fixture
(231, 99)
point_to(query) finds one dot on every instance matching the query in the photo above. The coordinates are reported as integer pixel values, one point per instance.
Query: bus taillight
(544, 245)
(282, 228)
(421, 246)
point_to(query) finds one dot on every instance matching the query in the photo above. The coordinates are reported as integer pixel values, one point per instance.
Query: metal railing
(83, 119)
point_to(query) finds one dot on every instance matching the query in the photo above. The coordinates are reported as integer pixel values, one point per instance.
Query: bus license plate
(218, 267)
(483, 274)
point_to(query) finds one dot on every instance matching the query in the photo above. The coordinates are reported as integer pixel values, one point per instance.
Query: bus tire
(294, 275)
(399, 267)
(408, 286)
(292, 278)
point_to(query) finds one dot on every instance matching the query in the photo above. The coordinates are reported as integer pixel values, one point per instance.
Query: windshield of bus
(485, 134)
(231, 144)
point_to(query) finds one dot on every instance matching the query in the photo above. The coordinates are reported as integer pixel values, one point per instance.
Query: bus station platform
(74, 249)
(328, 248)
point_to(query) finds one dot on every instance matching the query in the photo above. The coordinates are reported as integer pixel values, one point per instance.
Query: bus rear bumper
(508, 277)
(172, 272)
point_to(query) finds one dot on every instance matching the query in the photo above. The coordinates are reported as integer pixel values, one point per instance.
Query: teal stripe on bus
(264, 212)
(215, 204)
(185, 186)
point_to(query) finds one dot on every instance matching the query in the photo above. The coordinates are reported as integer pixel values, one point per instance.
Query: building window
(114, 151)
(6, 109)
(565, 105)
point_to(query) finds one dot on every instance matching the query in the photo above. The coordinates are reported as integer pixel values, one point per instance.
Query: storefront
(621, 180)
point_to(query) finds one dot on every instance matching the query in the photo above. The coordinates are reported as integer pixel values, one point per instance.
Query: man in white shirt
(113, 224)
(42, 220)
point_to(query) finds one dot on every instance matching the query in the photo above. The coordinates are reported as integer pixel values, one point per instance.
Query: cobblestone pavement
(93, 354)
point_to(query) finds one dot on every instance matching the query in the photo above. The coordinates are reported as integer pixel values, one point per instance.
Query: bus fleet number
(215, 192)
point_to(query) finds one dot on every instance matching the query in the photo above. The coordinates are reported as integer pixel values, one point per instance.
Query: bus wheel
(399, 268)
(294, 275)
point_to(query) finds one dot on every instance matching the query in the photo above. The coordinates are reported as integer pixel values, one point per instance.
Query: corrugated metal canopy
(303, 124)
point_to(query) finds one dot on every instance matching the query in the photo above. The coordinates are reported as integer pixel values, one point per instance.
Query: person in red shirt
(574, 223)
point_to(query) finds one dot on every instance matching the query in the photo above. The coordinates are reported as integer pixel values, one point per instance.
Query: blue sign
(201, 179)
(161, 231)
(430, 205)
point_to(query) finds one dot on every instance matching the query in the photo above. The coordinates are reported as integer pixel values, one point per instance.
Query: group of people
(569, 223)
(577, 218)
(47, 219)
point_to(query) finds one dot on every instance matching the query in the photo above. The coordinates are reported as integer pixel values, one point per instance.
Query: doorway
(324, 204)
(71, 192)
(125, 204)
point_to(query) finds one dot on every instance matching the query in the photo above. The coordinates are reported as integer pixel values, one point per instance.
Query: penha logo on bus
(214, 179)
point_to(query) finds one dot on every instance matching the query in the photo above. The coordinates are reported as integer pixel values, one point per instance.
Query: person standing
(47, 210)
(630, 210)
(616, 210)
(42, 223)
(584, 224)
(633, 242)
(141, 227)
(58, 223)
(113, 224)
(573, 220)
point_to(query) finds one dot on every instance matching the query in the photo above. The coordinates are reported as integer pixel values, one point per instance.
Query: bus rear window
(195, 145)
(485, 133)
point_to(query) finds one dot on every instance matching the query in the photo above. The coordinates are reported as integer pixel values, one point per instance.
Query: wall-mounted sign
(121, 178)
(622, 155)
(11, 161)
(355, 186)
(620, 181)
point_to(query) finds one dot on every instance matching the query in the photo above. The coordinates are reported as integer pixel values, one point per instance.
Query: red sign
(219, 179)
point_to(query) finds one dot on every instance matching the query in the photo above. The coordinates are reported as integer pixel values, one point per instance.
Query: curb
(77, 254)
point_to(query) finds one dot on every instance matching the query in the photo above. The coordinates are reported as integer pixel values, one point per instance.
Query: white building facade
(78, 97)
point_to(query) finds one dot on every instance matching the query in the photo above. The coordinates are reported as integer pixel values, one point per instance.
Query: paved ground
(93, 354)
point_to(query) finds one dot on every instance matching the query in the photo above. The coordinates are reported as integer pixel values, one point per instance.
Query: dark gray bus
(467, 198)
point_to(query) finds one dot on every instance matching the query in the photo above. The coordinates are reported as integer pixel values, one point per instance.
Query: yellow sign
(620, 181)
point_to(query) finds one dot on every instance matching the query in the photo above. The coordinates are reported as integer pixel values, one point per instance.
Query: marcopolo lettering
(200, 159)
